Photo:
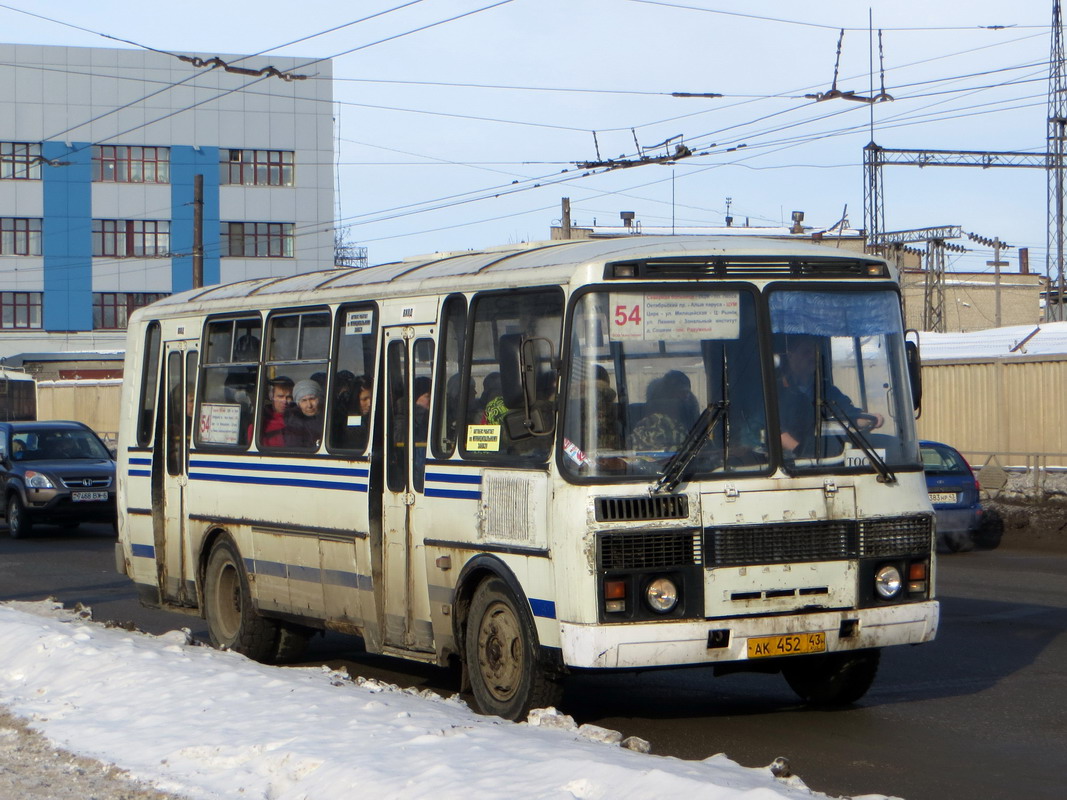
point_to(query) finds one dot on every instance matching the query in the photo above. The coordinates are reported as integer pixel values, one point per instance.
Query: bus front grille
(648, 549)
(829, 540)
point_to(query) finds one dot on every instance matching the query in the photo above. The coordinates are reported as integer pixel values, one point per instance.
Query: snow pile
(210, 724)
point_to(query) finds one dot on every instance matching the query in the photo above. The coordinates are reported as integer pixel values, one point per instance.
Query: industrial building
(100, 153)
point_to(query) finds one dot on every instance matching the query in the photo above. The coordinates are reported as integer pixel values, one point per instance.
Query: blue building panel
(185, 163)
(67, 237)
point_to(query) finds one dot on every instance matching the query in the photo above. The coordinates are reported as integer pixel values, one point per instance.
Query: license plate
(943, 497)
(789, 645)
(88, 497)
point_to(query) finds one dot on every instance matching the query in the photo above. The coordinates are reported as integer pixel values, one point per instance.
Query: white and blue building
(99, 149)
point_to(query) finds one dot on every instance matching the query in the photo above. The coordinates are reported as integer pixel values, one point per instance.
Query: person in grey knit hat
(304, 424)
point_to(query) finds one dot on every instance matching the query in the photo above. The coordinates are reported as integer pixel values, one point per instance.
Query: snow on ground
(208, 724)
(1048, 338)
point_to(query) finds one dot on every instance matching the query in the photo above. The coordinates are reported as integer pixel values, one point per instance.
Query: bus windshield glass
(646, 365)
(843, 395)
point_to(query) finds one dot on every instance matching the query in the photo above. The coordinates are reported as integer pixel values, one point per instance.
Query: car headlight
(661, 595)
(38, 480)
(887, 582)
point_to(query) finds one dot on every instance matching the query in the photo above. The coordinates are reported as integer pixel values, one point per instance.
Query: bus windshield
(843, 396)
(658, 372)
(644, 368)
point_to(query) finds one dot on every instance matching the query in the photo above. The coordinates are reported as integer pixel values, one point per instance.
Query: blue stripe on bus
(330, 577)
(453, 494)
(258, 466)
(543, 608)
(139, 473)
(261, 481)
(143, 550)
(142, 462)
(444, 477)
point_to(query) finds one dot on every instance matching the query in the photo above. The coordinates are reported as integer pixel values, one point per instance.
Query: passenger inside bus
(272, 430)
(303, 422)
(800, 374)
(669, 412)
(351, 410)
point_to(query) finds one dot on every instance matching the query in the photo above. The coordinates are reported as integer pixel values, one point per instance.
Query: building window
(20, 161)
(120, 163)
(256, 167)
(20, 237)
(20, 310)
(111, 310)
(258, 239)
(131, 238)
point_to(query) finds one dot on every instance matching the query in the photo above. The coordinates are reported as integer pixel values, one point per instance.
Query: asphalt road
(977, 713)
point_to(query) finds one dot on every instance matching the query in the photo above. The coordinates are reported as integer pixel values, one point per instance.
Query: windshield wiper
(857, 438)
(698, 436)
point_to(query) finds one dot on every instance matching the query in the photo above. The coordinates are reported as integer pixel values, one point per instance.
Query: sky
(212, 725)
(463, 123)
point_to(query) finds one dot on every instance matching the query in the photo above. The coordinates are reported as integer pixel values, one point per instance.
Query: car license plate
(787, 645)
(943, 497)
(88, 497)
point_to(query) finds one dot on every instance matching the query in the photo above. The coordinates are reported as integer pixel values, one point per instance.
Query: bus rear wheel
(834, 679)
(506, 677)
(231, 619)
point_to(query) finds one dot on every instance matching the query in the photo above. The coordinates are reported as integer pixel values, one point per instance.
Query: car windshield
(56, 445)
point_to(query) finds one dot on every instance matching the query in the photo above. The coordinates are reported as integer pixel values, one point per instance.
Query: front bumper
(662, 644)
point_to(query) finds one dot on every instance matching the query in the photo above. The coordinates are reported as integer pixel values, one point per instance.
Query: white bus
(538, 459)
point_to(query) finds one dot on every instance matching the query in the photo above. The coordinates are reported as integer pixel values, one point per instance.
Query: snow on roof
(1048, 338)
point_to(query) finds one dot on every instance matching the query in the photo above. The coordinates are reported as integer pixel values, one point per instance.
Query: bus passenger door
(171, 473)
(402, 595)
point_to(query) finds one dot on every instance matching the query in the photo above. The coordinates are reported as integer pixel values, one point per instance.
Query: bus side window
(530, 315)
(353, 381)
(449, 375)
(229, 379)
(149, 385)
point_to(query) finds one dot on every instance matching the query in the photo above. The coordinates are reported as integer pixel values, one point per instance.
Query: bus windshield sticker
(357, 322)
(675, 316)
(574, 453)
(857, 458)
(220, 423)
(483, 438)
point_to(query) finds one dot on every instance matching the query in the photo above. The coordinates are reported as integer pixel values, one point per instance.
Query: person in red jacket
(281, 400)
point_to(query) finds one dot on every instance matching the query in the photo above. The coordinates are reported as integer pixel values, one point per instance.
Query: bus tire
(18, 521)
(834, 679)
(506, 677)
(233, 623)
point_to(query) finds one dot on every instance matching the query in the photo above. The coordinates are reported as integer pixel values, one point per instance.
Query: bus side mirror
(519, 359)
(915, 375)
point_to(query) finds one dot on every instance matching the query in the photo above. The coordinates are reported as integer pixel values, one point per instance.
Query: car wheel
(834, 679)
(501, 652)
(232, 622)
(18, 521)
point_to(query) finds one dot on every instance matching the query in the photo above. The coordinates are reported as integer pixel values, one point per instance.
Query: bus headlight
(887, 582)
(661, 595)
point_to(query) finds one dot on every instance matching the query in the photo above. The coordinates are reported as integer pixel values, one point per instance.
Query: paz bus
(538, 459)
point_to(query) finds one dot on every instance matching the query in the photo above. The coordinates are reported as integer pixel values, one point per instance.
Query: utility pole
(198, 231)
(996, 263)
(1057, 119)
(565, 221)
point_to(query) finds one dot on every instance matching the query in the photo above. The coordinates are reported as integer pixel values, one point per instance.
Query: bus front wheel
(834, 679)
(232, 621)
(501, 652)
